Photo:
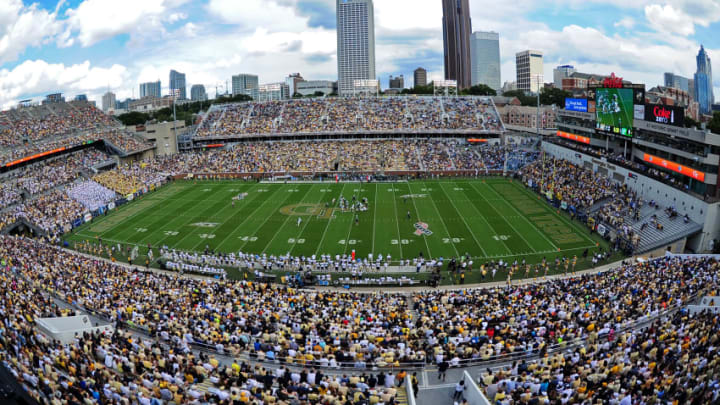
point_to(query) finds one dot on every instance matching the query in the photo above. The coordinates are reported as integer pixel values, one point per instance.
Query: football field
(485, 219)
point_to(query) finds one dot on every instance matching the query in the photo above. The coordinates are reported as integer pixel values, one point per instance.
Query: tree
(714, 123)
(553, 96)
(480, 90)
(525, 100)
(297, 95)
(691, 123)
(318, 94)
(133, 118)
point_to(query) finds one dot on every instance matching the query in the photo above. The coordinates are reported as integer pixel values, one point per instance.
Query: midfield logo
(421, 228)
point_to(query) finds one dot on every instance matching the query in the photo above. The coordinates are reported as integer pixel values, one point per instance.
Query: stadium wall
(698, 210)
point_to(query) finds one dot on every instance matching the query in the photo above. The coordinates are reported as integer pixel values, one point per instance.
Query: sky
(92, 46)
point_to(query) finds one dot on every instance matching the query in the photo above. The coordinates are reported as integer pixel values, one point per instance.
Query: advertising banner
(665, 114)
(666, 164)
(573, 137)
(576, 104)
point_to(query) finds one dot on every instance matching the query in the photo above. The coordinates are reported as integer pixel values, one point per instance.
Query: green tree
(133, 118)
(690, 123)
(524, 99)
(553, 96)
(480, 90)
(714, 123)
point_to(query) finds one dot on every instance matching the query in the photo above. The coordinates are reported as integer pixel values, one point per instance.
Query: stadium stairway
(401, 398)
(673, 230)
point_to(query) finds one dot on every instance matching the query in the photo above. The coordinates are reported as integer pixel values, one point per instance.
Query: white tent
(65, 328)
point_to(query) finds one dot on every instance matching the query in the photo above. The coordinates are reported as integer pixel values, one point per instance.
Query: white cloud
(37, 77)
(669, 19)
(22, 26)
(96, 20)
(249, 15)
(627, 23)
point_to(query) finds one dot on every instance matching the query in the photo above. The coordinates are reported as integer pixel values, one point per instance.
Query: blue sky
(89, 46)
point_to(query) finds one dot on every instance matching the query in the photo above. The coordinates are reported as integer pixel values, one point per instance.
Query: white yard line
(397, 220)
(520, 216)
(463, 218)
(328, 224)
(288, 218)
(447, 230)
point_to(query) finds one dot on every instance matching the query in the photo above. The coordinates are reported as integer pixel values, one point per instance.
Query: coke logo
(663, 115)
(613, 82)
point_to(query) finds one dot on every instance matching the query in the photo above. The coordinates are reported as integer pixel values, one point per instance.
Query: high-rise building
(703, 82)
(177, 82)
(420, 77)
(562, 72)
(529, 70)
(245, 84)
(292, 81)
(677, 82)
(81, 97)
(397, 82)
(197, 92)
(485, 59)
(108, 101)
(355, 43)
(151, 89)
(456, 38)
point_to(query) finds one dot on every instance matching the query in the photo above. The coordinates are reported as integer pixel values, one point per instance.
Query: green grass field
(487, 219)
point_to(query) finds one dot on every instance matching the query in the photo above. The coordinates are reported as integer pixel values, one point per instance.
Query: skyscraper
(420, 77)
(703, 82)
(108, 101)
(560, 73)
(197, 92)
(485, 59)
(245, 84)
(177, 82)
(150, 89)
(355, 43)
(677, 82)
(397, 82)
(456, 38)
(529, 70)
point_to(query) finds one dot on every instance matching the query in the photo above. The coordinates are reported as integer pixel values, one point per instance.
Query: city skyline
(78, 47)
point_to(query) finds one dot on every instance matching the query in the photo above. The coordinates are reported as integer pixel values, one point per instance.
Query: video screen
(614, 111)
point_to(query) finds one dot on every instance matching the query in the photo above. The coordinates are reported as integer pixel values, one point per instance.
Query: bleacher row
(635, 224)
(32, 130)
(338, 115)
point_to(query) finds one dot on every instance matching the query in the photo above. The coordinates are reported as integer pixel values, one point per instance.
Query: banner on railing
(88, 217)
(601, 229)
(111, 206)
(564, 206)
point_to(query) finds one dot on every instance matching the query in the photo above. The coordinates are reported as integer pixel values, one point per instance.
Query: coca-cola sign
(613, 82)
(665, 114)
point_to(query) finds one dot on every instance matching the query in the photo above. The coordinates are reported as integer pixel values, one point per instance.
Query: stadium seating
(332, 329)
(332, 115)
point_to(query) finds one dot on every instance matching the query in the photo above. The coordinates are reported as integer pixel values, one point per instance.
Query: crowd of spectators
(567, 182)
(38, 123)
(671, 361)
(348, 115)
(91, 194)
(328, 329)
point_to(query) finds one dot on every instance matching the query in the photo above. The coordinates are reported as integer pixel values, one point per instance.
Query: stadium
(338, 241)
(339, 251)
